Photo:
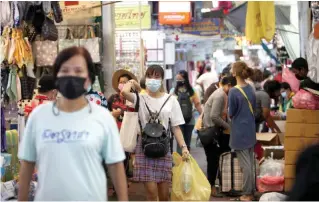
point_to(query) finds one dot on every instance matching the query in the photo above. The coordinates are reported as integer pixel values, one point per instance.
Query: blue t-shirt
(68, 150)
(243, 132)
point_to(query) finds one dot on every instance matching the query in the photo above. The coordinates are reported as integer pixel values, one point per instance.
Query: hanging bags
(45, 52)
(92, 44)
(68, 42)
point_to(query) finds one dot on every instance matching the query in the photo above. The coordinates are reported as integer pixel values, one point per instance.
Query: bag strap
(158, 113)
(244, 94)
(137, 105)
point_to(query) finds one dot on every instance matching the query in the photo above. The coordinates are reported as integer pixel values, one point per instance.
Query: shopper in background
(278, 76)
(242, 103)
(188, 100)
(156, 173)
(207, 78)
(286, 99)
(215, 86)
(117, 104)
(300, 68)
(263, 109)
(46, 92)
(215, 115)
(267, 76)
(257, 79)
(68, 140)
(306, 184)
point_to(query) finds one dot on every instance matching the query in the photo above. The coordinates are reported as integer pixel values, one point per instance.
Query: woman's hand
(116, 113)
(135, 85)
(185, 153)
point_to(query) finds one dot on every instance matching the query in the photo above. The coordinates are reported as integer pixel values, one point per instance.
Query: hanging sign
(80, 9)
(174, 13)
(128, 17)
(205, 27)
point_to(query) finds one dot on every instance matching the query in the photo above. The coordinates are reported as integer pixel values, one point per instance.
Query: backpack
(155, 138)
(186, 106)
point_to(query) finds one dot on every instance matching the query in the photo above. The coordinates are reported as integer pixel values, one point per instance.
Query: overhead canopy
(286, 25)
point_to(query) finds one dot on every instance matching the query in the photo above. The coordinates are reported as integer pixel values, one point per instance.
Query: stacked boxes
(302, 130)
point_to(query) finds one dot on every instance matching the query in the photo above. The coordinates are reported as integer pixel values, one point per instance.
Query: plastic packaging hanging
(305, 100)
(189, 181)
(289, 77)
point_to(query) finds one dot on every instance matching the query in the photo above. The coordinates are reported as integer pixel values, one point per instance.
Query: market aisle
(136, 190)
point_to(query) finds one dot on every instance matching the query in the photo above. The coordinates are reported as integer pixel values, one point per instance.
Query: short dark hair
(285, 86)
(300, 63)
(266, 74)
(68, 53)
(154, 69)
(126, 76)
(229, 80)
(46, 84)
(272, 86)
(226, 70)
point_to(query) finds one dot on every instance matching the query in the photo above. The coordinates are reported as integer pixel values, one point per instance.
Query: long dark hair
(188, 86)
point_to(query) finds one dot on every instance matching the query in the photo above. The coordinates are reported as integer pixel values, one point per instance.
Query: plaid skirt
(151, 170)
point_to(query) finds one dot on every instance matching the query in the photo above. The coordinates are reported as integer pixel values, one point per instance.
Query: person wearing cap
(46, 92)
(117, 104)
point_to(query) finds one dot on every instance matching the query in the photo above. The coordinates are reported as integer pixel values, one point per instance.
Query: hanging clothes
(12, 84)
(3, 132)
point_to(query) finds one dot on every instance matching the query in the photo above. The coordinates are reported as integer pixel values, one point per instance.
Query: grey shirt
(262, 101)
(214, 108)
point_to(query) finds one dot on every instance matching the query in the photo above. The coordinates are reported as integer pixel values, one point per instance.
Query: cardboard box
(299, 143)
(302, 116)
(290, 171)
(291, 157)
(281, 125)
(269, 139)
(289, 183)
(302, 130)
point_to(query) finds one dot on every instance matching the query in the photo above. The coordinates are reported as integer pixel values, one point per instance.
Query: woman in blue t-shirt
(242, 103)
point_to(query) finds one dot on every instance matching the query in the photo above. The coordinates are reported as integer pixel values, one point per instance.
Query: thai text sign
(206, 27)
(128, 17)
(174, 13)
(81, 9)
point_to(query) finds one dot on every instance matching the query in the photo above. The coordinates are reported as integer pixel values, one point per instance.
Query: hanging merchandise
(69, 41)
(96, 85)
(92, 44)
(49, 30)
(12, 144)
(28, 85)
(3, 132)
(45, 52)
(305, 100)
(5, 13)
(57, 12)
(260, 21)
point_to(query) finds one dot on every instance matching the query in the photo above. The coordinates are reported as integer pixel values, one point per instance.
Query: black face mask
(180, 83)
(71, 87)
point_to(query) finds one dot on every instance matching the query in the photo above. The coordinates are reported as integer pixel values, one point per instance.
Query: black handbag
(209, 135)
(57, 12)
(49, 30)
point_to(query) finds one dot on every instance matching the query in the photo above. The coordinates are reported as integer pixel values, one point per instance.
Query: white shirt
(171, 111)
(207, 79)
(68, 150)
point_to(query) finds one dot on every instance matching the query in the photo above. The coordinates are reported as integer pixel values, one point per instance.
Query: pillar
(108, 56)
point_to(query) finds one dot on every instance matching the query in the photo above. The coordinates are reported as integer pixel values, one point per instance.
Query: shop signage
(80, 9)
(128, 17)
(204, 27)
(210, 27)
(174, 13)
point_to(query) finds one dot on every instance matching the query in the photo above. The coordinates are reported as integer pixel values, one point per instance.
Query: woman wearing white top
(69, 139)
(156, 173)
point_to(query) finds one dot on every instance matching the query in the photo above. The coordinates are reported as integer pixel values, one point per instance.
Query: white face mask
(153, 84)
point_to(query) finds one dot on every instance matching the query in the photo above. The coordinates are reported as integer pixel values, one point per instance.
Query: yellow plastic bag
(189, 181)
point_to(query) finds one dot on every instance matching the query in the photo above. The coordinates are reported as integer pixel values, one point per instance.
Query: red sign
(71, 3)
